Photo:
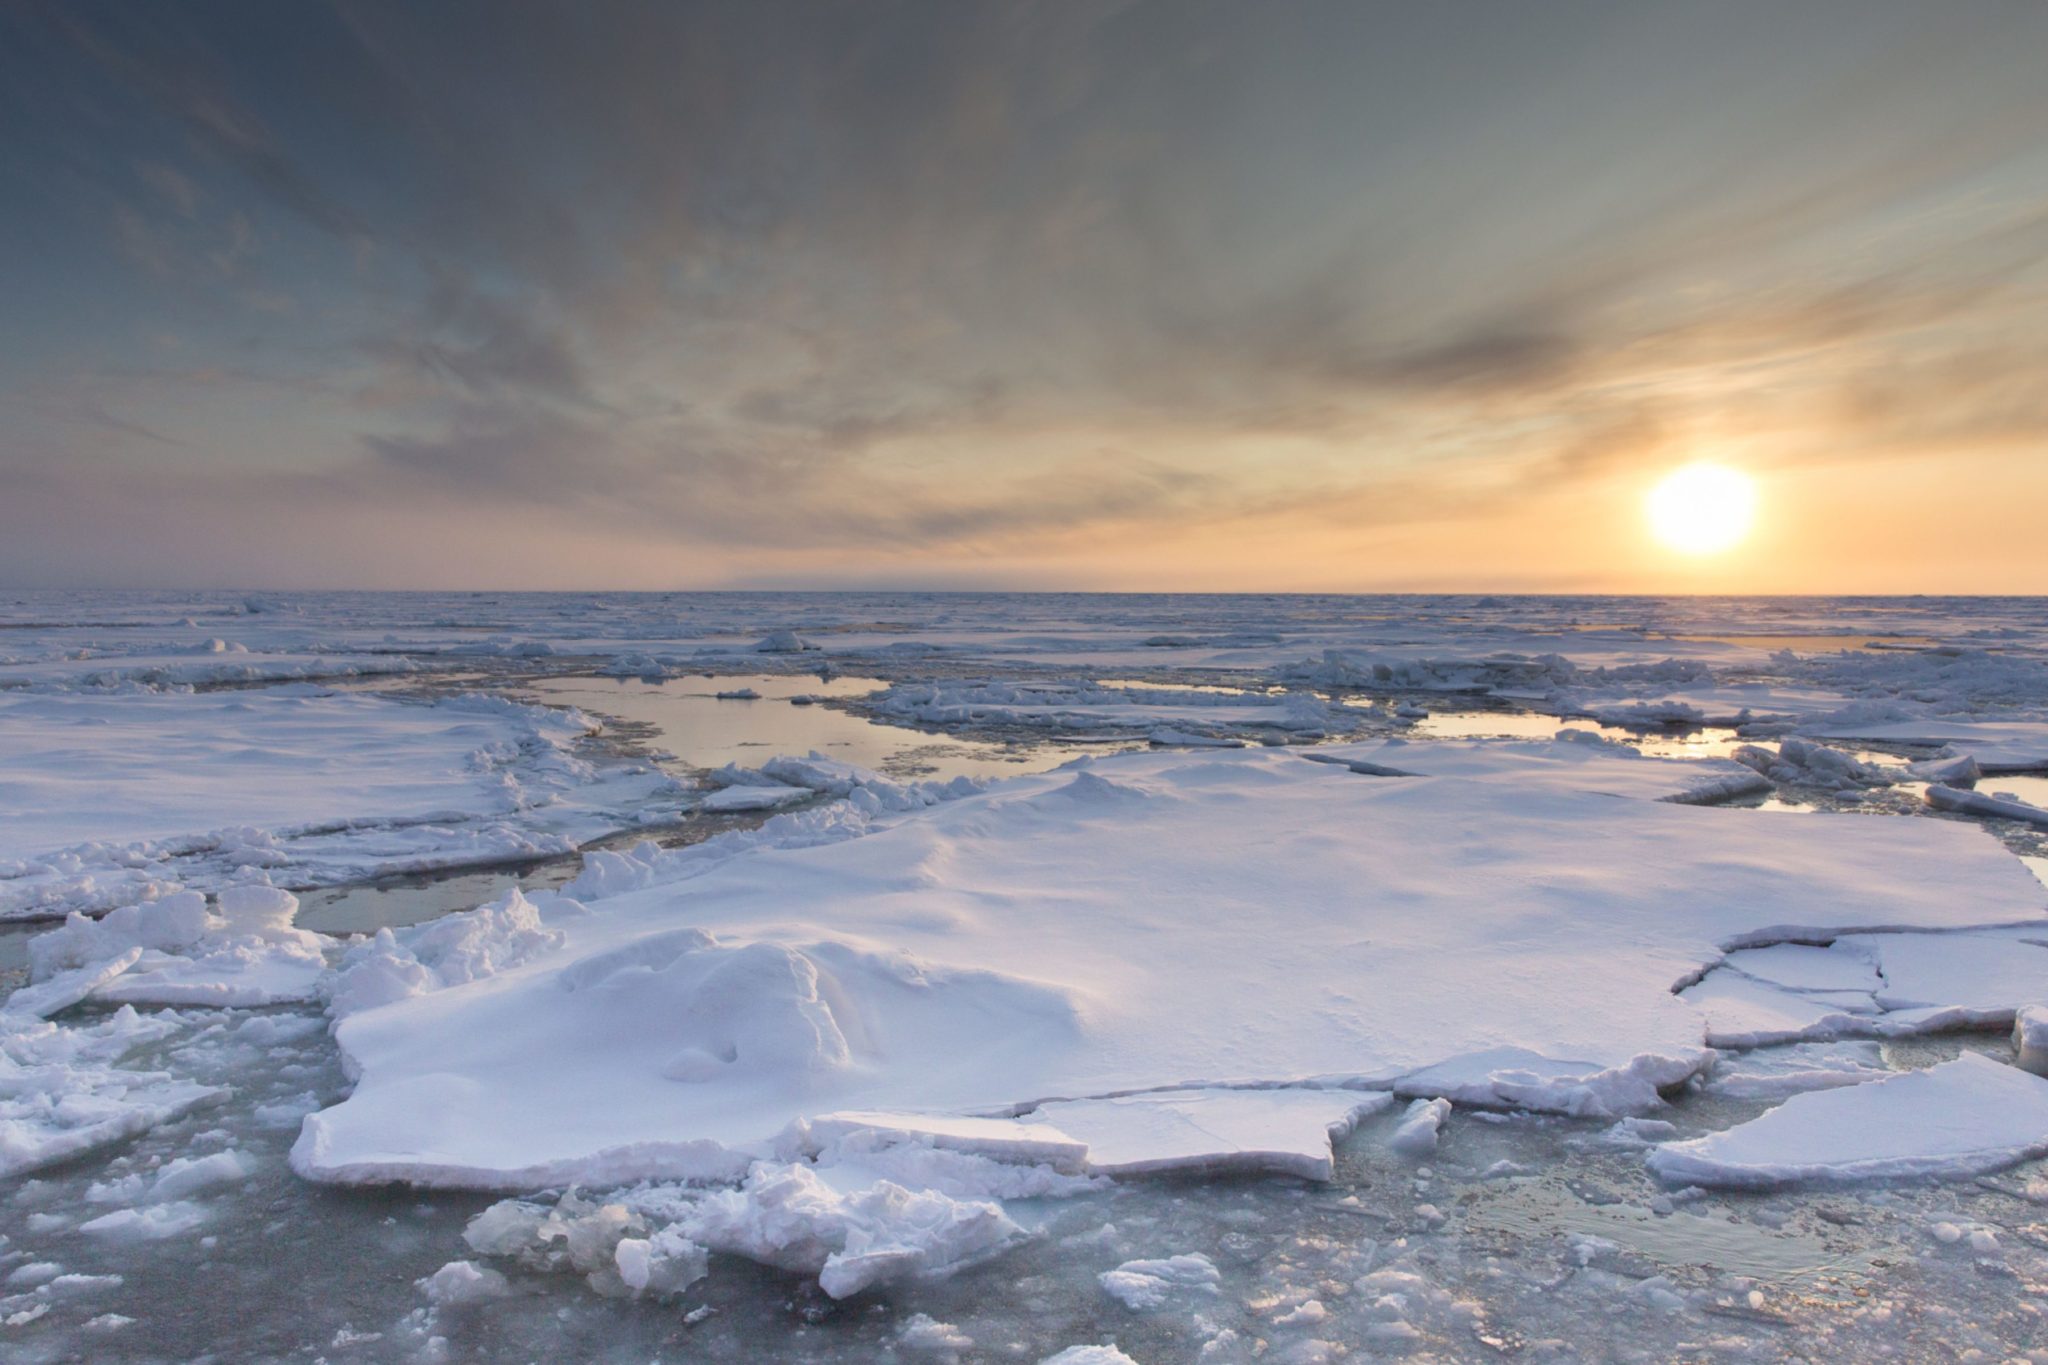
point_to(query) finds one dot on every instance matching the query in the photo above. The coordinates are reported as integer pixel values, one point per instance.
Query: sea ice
(249, 953)
(63, 1092)
(1960, 1118)
(115, 799)
(1152, 920)
(1575, 761)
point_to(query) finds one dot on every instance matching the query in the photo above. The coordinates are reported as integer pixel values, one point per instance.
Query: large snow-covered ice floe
(113, 799)
(1156, 921)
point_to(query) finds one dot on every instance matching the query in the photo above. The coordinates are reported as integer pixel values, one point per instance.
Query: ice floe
(115, 799)
(1963, 1117)
(177, 952)
(1153, 920)
(1575, 761)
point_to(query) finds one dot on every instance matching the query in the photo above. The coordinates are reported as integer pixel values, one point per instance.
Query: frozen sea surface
(322, 742)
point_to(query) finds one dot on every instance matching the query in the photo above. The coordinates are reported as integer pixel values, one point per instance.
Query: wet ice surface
(1530, 1237)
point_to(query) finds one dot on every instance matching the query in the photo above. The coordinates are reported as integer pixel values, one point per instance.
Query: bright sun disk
(1702, 509)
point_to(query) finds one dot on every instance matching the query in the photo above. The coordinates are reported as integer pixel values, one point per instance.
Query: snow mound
(1960, 1118)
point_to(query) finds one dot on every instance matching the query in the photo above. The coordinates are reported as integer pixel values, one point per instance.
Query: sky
(1122, 296)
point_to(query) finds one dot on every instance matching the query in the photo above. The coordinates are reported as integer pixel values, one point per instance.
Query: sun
(1702, 509)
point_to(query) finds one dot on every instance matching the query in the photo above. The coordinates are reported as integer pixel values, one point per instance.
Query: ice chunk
(1089, 1355)
(460, 1282)
(2030, 1039)
(151, 1224)
(1814, 765)
(1143, 1286)
(1960, 1118)
(921, 1334)
(178, 954)
(1960, 770)
(449, 951)
(66, 988)
(790, 1216)
(1989, 805)
(744, 798)
(1417, 1132)
(666, 1263)
(62, 1093)
(1216, 1130)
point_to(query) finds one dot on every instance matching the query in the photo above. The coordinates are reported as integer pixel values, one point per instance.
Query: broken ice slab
(1288, 1131)
(1987, 804)
(1960, 1118)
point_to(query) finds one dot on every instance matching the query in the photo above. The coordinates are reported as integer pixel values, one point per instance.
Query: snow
(1099, 930)
(112, 799)
(1960, 1118)
(1576, 761)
